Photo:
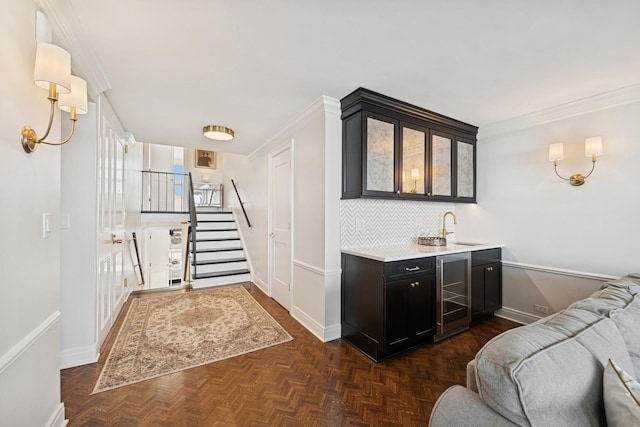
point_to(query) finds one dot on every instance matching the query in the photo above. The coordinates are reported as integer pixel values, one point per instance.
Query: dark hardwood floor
(300, 383)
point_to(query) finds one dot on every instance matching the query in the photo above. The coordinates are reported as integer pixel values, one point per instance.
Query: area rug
(168, 333)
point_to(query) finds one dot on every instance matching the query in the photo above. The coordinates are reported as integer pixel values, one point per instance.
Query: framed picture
(205, 159)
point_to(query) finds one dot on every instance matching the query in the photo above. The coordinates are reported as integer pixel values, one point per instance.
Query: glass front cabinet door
(412, 176)
(380, 157)
(391, 149)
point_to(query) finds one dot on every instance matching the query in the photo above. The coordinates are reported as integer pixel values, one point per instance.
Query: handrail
(241, 204)
(193, 223)
(193, 215)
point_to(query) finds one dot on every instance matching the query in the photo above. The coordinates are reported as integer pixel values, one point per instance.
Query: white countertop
(413, 250)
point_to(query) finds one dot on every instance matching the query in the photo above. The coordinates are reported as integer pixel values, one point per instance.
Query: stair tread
(219, 261)
(215, 229)
(221, 274)
(215, 220)
(221, 239)
(218, 250)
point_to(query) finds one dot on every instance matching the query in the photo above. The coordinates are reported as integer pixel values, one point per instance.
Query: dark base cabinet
(387, 307)
(486, 283)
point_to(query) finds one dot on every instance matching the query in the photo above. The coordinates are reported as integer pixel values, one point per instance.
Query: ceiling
(172, 67)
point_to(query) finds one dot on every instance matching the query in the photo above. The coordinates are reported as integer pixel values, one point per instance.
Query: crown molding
(68, 31)
(324, 104)
(602, 101)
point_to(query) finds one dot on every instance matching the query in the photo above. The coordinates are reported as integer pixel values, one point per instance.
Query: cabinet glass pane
(465, 170)
(440, 166)
(380, 159)
(413, 143)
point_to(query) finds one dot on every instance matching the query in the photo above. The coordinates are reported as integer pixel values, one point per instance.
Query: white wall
(316, 191)
(561, 241)
(30, 303)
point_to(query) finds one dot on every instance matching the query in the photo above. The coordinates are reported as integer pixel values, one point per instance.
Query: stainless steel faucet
(444, 224)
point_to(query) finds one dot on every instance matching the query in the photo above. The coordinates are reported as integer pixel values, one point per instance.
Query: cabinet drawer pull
(416, 268)
(489, 268)
(414, 284)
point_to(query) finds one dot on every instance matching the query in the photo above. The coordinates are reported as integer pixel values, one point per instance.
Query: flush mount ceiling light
(219, 133)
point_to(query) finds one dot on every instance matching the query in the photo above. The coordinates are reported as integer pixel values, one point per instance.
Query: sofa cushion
(550, 372)
(627, 320)
(621, 397)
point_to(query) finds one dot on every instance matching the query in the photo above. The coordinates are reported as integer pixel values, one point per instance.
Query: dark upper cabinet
(391, 149)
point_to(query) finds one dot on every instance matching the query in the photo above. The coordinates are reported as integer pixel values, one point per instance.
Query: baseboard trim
(323, 333)
(260, 284)
(57, 418)
(78, 356)
(564, 272)
(517, 316)
(27, 341)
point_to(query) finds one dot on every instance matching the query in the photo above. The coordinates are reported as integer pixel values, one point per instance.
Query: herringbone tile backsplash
(370, 222)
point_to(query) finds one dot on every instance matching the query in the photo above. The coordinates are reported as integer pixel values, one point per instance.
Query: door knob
(271, 235)
(114, 240)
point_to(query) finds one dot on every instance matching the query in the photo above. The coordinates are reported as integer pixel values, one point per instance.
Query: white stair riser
(219, 281)
(214, 225)
(203, 216)
(225, 266)
(220, 244)
(215, 234)
(212, 256)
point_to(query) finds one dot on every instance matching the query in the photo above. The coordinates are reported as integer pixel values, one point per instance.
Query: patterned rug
(168, 333)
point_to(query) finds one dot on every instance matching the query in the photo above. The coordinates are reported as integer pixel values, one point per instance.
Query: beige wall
(561, 241)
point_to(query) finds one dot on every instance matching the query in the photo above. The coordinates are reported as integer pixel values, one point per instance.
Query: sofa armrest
(471, 376)
(459, 407)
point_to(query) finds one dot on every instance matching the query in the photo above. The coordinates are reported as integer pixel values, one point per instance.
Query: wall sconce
(52, 72)
(592, 148)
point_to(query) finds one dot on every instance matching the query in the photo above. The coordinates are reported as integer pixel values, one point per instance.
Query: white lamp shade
(556, 151)
(415, 174)
(593, 146)
(76, 98)
(53, 65)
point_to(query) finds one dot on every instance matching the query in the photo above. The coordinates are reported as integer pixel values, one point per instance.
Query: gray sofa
(549, 373)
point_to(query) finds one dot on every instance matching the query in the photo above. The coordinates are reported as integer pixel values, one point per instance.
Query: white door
(280, 260)
(157, 250)
(110, 222)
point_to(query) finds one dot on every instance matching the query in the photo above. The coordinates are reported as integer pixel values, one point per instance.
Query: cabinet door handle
(416, 268)
(489, 268)
(415, 284)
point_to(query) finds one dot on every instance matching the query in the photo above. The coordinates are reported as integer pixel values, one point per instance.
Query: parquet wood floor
(300, 383)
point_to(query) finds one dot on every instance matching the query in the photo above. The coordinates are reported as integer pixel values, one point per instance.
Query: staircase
(219, 256)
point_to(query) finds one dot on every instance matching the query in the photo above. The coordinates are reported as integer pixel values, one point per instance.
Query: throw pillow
(621, 397)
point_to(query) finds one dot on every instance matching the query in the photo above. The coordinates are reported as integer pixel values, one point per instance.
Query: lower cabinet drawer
(407, 268)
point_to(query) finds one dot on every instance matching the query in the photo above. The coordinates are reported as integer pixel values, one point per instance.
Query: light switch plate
(65, 221)
(46, 225)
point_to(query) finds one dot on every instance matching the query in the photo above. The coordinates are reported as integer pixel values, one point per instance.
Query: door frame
(273, 153)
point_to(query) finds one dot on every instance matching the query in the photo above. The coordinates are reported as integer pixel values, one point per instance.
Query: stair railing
(164, 192)
(241, 204)
(191, 235)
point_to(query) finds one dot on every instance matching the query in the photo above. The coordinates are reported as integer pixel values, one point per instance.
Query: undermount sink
(466, 243)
